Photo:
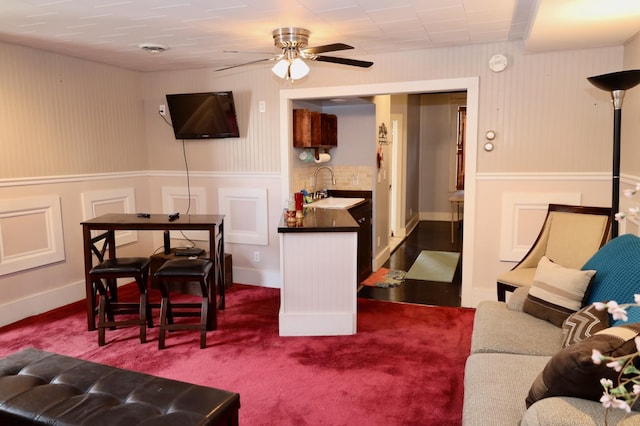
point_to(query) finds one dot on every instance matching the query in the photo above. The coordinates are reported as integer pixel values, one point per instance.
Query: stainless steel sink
(335, 203)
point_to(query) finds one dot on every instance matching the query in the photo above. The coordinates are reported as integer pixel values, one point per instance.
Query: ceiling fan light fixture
(298, 69)
(281, 68)
(290, 69)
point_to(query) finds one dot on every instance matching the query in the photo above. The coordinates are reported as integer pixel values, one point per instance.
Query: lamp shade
(281, 68)
(620, 80)
(298, 69)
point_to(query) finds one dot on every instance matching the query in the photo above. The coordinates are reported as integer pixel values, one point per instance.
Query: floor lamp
(616, 83)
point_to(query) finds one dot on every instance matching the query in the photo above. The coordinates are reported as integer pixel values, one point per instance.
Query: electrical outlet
(354, 180)
(262, 106)
(162, 110)
(256, 256)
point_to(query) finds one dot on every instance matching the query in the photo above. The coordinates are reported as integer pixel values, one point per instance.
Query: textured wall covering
(62, 116)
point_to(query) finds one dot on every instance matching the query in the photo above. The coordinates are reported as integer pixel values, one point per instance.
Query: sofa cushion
(572, 372)
(556, 291)
(496, 328)
(583, 324)
(617, 263)
(495, 387)
(566, 411)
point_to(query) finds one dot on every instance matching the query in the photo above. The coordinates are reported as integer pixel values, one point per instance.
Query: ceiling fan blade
(344, 61)
(246, 63)
(326, 48)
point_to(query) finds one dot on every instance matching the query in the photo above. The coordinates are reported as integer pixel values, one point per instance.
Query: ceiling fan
(293, 43)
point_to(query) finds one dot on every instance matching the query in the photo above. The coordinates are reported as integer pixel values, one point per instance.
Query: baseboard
(317, 324)
(42, 302)
(258, 277)
(437, 216)
(411, 225)
(473, 296)
(381, 258)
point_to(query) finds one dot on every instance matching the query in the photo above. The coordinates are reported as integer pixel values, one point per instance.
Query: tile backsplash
(347, 177)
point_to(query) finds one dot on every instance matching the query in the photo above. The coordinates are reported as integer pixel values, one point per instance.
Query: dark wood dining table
(213, 223)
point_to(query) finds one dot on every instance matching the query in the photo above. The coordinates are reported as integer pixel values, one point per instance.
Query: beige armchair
(570, 235)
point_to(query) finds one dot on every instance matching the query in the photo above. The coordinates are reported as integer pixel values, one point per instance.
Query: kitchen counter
(319, 259)
(321, 220)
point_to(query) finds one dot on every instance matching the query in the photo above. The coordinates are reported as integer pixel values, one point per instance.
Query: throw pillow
(633, 315)
(556, 292)
(572, 372)
(583, 324)
(618, 276)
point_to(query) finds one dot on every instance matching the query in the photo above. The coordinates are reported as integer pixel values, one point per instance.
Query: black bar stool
(185, 271)
(103, 276)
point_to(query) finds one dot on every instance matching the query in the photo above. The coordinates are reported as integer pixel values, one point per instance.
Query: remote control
(147, 215)
(174, 216)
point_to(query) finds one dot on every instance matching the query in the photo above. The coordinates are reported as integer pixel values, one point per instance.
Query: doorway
(470, 85)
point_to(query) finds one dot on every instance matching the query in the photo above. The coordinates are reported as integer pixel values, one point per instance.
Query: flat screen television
(209, 115)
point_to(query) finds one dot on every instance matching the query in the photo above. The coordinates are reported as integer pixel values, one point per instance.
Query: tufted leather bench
(38, 387)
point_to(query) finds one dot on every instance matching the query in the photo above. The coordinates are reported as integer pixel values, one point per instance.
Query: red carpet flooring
(403, 367)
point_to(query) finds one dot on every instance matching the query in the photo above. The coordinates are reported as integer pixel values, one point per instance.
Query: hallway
(428, 235)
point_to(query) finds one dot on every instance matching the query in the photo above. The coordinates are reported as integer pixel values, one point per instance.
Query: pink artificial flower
(596, 357)
(616, 365)
(629, 193)
(619, 216)
(610, 401)
(599, 306)
(636, 389)
(606, 383)
(616, 311)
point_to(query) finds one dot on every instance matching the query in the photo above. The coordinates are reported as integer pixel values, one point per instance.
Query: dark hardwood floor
(427, 235)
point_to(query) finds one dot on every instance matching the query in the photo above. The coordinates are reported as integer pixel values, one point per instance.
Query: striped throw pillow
(556, 292)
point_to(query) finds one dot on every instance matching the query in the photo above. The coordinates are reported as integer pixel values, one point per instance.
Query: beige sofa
(509, 349)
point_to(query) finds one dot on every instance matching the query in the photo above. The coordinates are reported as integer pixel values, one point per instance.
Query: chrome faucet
(315, 176)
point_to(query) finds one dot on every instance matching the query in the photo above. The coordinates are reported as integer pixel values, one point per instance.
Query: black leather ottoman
(38, 387)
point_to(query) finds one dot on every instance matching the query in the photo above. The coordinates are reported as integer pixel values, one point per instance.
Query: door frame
(470, 84)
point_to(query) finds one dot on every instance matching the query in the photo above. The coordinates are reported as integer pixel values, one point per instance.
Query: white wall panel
(246, 215)
(119, 200)
(30, 233)
(523, 214)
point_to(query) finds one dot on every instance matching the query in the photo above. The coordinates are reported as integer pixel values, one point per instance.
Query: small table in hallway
(457, 200)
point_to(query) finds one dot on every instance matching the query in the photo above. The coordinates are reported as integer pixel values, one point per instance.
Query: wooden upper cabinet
(313, 129)
(329, 134)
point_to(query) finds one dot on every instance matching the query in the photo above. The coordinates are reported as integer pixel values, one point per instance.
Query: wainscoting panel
(120, 200)
(522, 217)
(246, 215)
(30, 233)
(185, 200)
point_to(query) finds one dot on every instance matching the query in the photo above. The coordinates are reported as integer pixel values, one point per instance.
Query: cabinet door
(329, 124)
(307, 128)
(362, 215)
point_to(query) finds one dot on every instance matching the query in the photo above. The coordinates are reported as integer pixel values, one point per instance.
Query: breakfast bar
(318, 255)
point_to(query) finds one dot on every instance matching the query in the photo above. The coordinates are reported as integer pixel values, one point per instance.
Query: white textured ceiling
(197, 32)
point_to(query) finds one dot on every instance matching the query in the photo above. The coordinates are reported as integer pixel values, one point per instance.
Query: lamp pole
(616, 83)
